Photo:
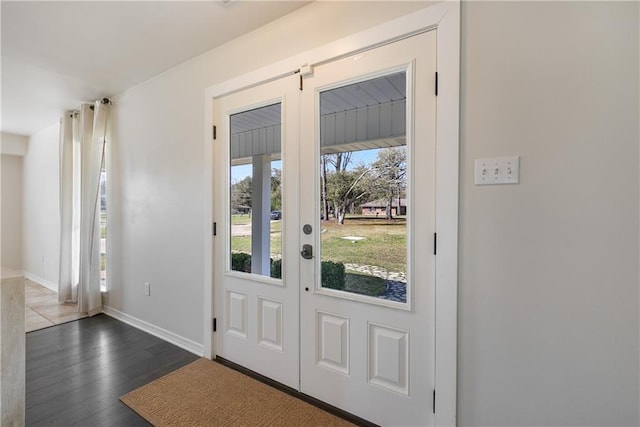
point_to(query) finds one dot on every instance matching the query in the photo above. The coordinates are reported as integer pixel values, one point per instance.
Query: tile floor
(43, 310)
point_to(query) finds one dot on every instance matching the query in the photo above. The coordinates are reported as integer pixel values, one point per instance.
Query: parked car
(276, 215)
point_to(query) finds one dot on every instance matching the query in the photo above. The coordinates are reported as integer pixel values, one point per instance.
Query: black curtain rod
(104, 101)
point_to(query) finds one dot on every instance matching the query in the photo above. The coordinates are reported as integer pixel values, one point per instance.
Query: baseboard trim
(41, 281)
(170, 337)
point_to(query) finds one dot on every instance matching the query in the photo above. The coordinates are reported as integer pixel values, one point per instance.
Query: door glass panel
(363, 188)
(256, 191)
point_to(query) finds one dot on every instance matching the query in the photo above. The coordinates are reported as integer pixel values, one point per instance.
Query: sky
(238, 173)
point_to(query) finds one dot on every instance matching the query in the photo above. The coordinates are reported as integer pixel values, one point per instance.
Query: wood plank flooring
(77, 371)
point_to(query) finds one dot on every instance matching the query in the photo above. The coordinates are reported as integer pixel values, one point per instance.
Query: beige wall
(41, 208)
(548, 303)
(12, 147)
(11, 208)
(15, 145)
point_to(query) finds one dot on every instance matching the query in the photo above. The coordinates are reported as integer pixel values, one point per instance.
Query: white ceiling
(56, 55)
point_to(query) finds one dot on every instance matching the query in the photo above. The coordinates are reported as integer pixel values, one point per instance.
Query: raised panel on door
(368, 190)
(256, 211)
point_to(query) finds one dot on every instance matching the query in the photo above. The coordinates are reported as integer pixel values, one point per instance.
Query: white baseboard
(175, 339)
(41, 281)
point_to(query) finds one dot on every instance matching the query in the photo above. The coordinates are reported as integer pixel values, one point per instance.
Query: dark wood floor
(77, 371)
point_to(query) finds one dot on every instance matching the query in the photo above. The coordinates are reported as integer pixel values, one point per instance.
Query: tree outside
(344, 189)
(241, 193)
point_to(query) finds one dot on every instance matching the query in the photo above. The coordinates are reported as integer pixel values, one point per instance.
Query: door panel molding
(332, 332)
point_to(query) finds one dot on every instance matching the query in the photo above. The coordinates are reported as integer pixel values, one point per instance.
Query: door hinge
(214, 132)
(435, 243)
(215, 229)
(434, 400)
(301, 82)
(436, 83)
(214, 325)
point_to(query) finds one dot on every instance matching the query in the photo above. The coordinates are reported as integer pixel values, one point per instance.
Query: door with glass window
(367, 304)
(324, 264)
(256, 210)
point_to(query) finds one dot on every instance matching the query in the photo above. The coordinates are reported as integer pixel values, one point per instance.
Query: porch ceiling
(363, 115)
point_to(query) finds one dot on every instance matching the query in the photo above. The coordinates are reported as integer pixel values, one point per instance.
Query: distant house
(379, 207)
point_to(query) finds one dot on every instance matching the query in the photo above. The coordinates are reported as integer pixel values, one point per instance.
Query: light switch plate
(498, 170)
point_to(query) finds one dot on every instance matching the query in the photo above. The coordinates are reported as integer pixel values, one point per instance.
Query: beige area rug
(206, 393)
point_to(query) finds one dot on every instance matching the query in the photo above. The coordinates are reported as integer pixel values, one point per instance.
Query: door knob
(307, 251)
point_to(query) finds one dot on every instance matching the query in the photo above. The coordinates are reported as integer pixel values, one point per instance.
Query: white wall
(548, 303)
(41, 214)
(548, 307)
(11, 212)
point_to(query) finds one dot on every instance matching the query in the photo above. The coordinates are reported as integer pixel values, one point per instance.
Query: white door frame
(445, 17)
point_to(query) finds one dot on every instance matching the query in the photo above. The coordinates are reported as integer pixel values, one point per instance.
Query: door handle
(307, 251)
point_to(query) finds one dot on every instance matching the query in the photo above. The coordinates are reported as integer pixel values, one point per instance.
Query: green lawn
(243, 243)
(384, 244)
(239, 219)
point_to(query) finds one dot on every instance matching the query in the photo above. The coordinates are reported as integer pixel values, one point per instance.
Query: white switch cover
(499, 170)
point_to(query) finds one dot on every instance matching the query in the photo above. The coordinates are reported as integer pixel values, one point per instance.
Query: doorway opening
(328, 338)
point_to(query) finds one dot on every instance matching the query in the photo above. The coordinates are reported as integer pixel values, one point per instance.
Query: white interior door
(256, 211)
(368, 134)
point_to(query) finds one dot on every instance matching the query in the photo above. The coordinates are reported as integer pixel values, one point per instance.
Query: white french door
(371, 353)
(350, 320)
(256, 207)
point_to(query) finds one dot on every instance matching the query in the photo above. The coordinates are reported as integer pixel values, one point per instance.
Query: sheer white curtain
(82, 156)
(69, 241)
